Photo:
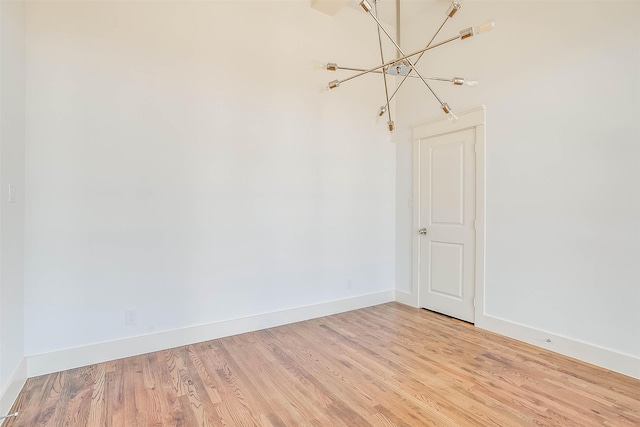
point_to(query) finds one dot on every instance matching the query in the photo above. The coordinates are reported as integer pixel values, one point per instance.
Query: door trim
(470, 119)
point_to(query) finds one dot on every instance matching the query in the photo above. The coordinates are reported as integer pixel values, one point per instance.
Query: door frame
(474, 118)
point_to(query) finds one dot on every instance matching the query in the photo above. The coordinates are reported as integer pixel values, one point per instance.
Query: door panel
(447, 206)
(446, 268)
(447, 212)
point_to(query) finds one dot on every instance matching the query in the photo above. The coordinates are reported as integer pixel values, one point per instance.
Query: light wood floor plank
(388, 365)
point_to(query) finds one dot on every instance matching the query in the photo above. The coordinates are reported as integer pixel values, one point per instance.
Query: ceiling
(387, 8)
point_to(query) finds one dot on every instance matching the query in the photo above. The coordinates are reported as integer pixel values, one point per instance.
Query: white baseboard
(11, 390)
(406, 298)
(615, 361)
(97, 353)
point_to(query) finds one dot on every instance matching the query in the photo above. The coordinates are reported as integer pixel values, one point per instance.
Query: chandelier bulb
(333, 84)
(366, 5)
(450, 115)
(487, 26)
(459, 81)
(392, 131)
(473, 31)
(392, 137)
(455, 6)
(382, 110)
(317, 65)
(391, 125)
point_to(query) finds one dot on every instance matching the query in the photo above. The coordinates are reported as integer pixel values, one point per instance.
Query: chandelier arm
(417, 60)
(434, 36)
(408, 60)
(384, 75)
(417, 52)
(440, 79)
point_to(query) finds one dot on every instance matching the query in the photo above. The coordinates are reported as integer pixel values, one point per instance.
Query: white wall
(11, 214)
(181, 161)
(560, 81)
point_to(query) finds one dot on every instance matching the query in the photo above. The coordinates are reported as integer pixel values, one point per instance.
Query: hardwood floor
(389, 365)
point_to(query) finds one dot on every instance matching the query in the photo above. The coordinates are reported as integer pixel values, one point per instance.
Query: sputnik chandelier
(404, 66)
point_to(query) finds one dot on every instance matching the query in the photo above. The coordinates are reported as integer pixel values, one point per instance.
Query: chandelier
(405, 66)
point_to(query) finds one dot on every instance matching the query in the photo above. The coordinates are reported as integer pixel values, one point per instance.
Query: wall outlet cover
(130, 316)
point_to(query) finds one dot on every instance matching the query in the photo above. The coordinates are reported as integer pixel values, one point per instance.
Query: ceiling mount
(400, 68)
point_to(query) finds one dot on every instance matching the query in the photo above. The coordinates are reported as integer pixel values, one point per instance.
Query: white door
(447, 224)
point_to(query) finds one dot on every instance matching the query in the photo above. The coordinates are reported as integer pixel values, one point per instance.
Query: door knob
(423, 231)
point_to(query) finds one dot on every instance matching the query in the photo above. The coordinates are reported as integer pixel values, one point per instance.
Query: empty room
(319, 213)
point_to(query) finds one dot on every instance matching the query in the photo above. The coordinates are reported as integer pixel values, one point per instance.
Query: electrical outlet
(12, 193)
(130, 317)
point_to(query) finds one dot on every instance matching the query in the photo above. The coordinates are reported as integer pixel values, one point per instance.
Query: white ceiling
(408, 8)
(386, 8)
